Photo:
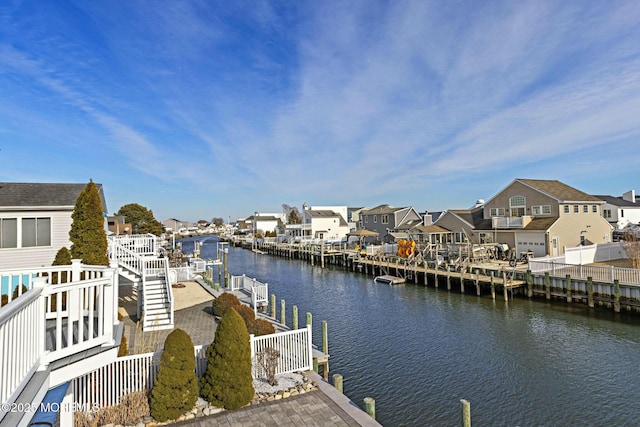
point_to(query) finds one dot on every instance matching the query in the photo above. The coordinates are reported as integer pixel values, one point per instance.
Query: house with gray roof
(539, 216)
(622, 211)
(35, 219)
(389, 222)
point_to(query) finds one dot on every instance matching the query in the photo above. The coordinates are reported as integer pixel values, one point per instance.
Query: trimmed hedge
(227, 381)
(223, 303)
(176, 388)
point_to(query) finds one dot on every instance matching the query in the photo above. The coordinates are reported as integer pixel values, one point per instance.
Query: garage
(534, 242)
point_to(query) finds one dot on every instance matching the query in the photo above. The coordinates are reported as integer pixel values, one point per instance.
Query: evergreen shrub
(254, 326)
(176, 388)
(223, 303)
(227, 381)
(15, 291)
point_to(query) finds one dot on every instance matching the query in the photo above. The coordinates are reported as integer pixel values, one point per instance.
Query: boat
(389, 280)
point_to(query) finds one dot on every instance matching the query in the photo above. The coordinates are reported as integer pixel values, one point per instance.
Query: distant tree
(87, 234)
(227, 381)
(218, 222)
(631, 245)
(141, 219)
(292, 214)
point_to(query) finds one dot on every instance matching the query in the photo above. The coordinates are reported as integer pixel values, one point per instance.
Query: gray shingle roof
(32, 195)
(559, 190)
(618, 201)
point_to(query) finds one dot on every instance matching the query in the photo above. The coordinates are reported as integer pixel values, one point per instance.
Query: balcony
(510, 222)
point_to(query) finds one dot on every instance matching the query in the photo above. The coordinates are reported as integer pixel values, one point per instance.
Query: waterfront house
(320, 223)
(35, 219)
(389, 222)
(622, 211)
(540, 216)
(266, 222)
(117, 225)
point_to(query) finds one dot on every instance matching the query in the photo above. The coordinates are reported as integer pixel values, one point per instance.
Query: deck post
(322, 255)
(569, 283)
(493, 287)
(504, 286)
(466, 413)
(547, 284)
(529, 284)
(325, 338)
(370, 406)
(225, 262)
(272, 305)
(616, 296)
(590, 292)
(435, 276)
(309, 320)
(337, 382)
(295, 317)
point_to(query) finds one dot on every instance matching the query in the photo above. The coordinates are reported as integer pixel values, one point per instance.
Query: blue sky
(202, 109)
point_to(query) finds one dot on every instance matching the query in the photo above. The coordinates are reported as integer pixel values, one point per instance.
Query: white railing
(259, 291)
(22, 343)
(106, 386)
(168, 290)
(507, 222)
(53, 321)
(177, 274)
(295, 348)
(126, 258)
(605, 274)
(142, 244)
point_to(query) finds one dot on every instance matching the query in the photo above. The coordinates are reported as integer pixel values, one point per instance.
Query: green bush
(223, 303)
(254, 326)
(262, 327)
(227, 381)
(176, 388)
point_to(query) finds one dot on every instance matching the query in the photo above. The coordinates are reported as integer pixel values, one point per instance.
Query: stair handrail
(168, 287)
(126, 258)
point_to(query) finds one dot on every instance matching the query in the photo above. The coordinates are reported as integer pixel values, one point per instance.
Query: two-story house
(386, 219)
(541, 216)
(35, 220)
(621, 211)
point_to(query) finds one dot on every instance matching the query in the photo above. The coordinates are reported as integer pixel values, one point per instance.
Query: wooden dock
(484, 278)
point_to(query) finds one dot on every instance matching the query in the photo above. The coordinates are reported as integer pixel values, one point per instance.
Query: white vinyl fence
(105, 386)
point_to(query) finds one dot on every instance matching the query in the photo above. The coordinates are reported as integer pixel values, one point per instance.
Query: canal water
(417, 351)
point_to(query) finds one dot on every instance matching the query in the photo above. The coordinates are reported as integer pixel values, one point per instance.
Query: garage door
(531, 242)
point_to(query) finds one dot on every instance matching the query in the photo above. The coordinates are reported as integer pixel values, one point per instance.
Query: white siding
(38, 256)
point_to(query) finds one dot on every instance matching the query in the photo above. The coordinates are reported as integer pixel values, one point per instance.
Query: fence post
(466, 413)
(295, 317)
(337, 382)
(370, 406)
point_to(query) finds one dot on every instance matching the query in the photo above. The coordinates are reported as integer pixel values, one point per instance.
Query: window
(606, 213)
(8, 233)
(566, 209)
(36, 232)
(496, 212)
(486, 237)
(366, 218)
(517, 205)
(460, 237)
(621, 213)
(541, 210)
(576, 209)
(594, 208)
(385, 219)
(585, 209)
(375, 218)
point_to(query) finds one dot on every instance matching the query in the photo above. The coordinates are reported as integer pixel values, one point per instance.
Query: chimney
(426, 219)
(629, 196)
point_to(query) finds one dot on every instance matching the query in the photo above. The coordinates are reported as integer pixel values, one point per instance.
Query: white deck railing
(259, 291)
(605, 274)
(53, 321)
(142, 244)
(106, 386)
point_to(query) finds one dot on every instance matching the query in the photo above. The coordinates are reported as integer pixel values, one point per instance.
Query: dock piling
(466, 413)
(337, 382)
(370, 406)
